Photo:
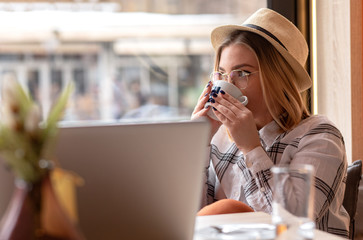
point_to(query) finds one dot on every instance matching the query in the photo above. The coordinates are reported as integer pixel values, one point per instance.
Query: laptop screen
(142, 181)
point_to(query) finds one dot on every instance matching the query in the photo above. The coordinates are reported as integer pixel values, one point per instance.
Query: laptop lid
(142, 181)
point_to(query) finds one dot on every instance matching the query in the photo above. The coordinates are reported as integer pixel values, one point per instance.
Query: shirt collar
(270, 132)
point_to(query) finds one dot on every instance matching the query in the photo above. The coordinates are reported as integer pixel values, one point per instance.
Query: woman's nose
(229, 79)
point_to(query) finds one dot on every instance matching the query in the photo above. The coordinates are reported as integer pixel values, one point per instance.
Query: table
(250, 217)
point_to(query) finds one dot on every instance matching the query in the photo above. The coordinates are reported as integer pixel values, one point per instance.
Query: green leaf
(22, 150)
(51, 126)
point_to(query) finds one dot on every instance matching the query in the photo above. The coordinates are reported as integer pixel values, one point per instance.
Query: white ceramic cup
(228, 88)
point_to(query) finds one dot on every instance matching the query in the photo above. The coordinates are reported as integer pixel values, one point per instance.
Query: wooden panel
(332, 70)
(356, 8)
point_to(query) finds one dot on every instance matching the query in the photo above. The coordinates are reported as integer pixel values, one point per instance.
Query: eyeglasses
(239, 77)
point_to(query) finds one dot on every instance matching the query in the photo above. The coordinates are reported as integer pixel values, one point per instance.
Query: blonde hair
(281, 94)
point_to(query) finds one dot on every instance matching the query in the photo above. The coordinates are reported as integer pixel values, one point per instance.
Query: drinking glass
(293, 217)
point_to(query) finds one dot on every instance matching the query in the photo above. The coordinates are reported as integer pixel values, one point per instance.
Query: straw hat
(281, 33)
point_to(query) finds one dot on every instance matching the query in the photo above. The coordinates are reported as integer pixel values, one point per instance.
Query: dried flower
(25, 139)
(11, 92)
(32, 121)
(11, 107)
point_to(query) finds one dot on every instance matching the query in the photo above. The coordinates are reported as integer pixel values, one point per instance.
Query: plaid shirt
(247, 178)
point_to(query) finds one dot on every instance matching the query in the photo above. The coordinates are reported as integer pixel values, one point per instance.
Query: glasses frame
(225, 76)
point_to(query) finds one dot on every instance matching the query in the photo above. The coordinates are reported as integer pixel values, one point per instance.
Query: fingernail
(208, 84)
(207, 106)
(215, 109)
(212, 100)
(209, 99)
(223, 92)
(206, 94)
(215, 95)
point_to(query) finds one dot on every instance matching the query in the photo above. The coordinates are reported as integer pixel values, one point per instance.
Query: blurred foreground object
(26, 146)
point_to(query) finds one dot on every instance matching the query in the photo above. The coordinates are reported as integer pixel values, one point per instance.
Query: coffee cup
(228, 88)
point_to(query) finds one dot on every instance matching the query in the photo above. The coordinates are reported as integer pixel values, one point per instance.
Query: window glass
(134, 60)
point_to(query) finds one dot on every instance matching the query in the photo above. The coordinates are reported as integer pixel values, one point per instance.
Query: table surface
(251, 217)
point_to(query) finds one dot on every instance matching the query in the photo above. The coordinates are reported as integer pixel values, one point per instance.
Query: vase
(34, 212)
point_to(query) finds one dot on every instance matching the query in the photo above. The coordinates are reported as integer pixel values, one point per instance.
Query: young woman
(265, 57)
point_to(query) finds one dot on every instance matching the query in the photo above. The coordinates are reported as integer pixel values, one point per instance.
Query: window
(129, 60)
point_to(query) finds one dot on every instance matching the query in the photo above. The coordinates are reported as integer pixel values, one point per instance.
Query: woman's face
(241, 57)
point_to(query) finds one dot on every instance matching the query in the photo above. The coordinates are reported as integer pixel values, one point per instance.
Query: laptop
(142, 181)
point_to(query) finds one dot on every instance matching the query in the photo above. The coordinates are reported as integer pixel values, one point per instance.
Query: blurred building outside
(129, 60)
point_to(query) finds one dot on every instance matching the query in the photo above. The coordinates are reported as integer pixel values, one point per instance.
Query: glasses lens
(217, 76)
(239, 77)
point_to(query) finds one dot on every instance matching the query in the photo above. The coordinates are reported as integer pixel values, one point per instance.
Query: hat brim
(303, 79)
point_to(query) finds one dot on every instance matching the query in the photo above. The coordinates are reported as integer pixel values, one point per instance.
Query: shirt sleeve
(255, 179)
(322, 147)
(248, 177)
(325, 151)
(209, 179)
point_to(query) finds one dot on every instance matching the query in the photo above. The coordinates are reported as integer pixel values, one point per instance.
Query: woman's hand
(238, 120)
(201, 111)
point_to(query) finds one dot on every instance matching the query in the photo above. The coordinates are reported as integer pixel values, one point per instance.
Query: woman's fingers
(239, 121)
(199, 109)
(227, 98)
(227, 107)
(206, 90)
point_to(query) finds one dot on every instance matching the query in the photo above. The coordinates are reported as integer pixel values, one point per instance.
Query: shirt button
(249, 164)
(262, 189)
